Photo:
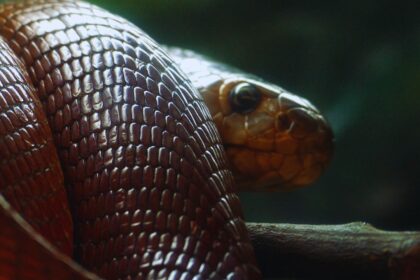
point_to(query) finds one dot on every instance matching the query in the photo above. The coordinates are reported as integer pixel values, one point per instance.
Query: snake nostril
(283, 122)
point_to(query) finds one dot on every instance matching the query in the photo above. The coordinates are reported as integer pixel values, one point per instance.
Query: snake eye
(244, 98)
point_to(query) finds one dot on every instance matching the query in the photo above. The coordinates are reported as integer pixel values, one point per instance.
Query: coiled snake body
(91, 103)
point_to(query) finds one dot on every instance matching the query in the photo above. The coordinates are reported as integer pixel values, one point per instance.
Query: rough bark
(355, 250)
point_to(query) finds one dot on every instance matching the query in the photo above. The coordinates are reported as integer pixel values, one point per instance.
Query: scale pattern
(31, 176)
(147, 176)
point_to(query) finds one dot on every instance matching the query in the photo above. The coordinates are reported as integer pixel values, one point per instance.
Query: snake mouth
(257, 170)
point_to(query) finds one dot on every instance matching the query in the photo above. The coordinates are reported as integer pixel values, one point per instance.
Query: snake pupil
(244, 98)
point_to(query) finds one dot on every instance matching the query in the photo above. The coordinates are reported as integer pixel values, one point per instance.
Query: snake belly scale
(146, 175)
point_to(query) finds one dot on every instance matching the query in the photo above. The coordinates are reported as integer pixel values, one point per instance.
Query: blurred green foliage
(358, 61)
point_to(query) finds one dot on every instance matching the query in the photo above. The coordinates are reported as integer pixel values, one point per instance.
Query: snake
(110, 156)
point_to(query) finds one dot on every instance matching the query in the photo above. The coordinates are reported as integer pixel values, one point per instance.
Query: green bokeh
(358, 61)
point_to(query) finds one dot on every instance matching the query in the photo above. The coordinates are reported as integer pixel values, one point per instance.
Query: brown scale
(147, 177)
(31, 178)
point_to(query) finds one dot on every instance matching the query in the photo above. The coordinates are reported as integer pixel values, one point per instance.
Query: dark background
(358, 61)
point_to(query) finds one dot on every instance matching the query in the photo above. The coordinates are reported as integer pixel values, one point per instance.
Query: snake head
(274, 140)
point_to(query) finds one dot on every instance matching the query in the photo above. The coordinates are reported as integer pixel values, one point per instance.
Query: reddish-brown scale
(30, 174)
(147, 176)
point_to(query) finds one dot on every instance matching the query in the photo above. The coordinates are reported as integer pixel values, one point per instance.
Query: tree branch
(355, 250)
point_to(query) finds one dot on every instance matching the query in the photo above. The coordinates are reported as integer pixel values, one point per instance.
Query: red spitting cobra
(150, 192)
(104, 139)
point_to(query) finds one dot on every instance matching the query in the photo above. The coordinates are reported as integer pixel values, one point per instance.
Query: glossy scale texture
(30, 174)
(149, 189)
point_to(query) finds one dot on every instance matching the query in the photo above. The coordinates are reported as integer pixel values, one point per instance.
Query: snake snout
(298, 116)
(310, 131)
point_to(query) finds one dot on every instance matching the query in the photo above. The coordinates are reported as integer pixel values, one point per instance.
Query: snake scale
(108, 155)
